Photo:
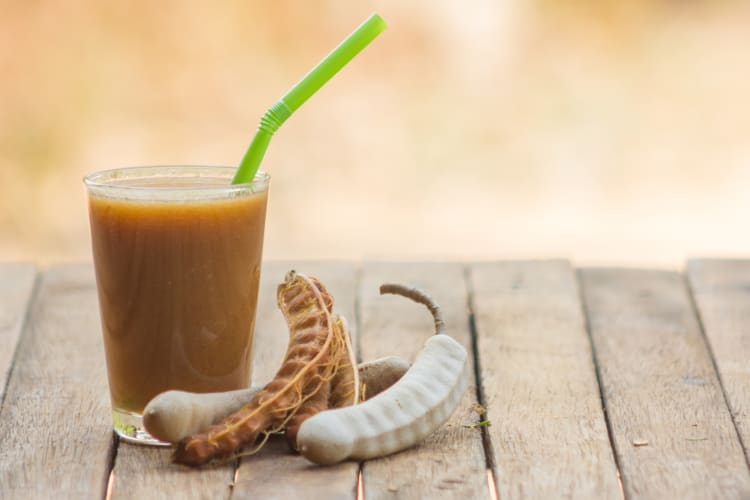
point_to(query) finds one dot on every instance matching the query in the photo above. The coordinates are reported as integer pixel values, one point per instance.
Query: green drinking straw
(301, 92)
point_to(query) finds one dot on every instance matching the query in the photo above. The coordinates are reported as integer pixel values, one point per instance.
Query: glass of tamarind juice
(177, 253)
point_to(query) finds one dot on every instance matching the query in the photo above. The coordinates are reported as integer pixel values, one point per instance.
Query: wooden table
(597, 383)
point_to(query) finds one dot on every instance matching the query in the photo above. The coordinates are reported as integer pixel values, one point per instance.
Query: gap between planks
(489, 456)
(597, 369)
(715, 365)
(19, 286)
(720, 293)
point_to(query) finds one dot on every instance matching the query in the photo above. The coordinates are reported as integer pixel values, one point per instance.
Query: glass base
(129, 426)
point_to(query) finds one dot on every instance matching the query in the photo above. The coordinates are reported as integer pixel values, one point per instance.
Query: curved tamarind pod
(398, 417)
(404, 414)
(306, 306)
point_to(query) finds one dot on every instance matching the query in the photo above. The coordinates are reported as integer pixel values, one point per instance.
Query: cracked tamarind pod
(306, 306)
(341, 390)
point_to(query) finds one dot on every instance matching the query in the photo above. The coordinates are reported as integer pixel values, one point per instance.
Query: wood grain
(721, 290)
(450, 463)
(671, 427)
(55, 426)
(548, 434)
(275, 471)
(16, 286)
(673, 433)
(148, 472)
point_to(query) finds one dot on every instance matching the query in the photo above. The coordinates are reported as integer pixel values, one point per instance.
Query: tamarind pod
(172, 415)
(379, 374)
(319, 389)
(316, 403)
(338, 387)
(397, 418)
(306, 306)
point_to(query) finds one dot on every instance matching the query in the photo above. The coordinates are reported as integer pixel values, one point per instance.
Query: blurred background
(602, 131)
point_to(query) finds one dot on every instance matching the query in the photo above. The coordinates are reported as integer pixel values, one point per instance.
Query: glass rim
(95, 179)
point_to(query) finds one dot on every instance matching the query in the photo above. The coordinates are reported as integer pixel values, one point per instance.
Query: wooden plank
(721, 290)
(147, 472)
(671, 428)
(450, 463)
(548, 434)
(55, 426)
(16, 286)
(276, 472)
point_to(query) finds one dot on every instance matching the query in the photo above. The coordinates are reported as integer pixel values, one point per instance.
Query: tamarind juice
(177, 253)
